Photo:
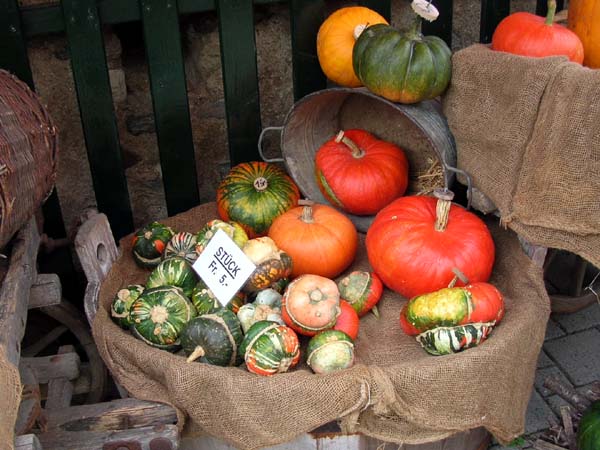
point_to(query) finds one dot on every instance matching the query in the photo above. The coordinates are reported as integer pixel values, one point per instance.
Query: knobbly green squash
(213, 338)
(149, 244)
(174, 272)
(159, 315)
(404, 67)
(121, 304)
(205, 301)
(233, 229)
(270, 348)
(447, 340)
(183, 245)
(330, 351)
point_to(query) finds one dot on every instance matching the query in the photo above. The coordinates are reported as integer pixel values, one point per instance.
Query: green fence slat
(442, 26)
(306, 16)
(13, 53)
(383, 7)
(492, 12)
(88, 61)
(171, 109)
(240, 78)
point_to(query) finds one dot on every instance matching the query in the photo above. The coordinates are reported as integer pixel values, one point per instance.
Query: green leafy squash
(174, 272)
(121, 304)
(183, 245)
(588, 434)
(149, 244)
(448, 340)
(404, 67)
(269, 348)
(214, 339)
(159, 315)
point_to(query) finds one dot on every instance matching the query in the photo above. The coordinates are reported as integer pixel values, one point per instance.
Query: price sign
(223, 266)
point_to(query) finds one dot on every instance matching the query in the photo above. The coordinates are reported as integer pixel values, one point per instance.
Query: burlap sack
(10, 395)
(395, 392)
(528, 132)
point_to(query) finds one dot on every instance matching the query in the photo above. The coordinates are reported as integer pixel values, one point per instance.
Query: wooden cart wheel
(70, 319)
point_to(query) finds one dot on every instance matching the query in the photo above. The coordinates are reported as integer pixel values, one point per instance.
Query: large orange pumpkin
(416, 242)
(584, 21)
(335, 42)
(319, 239)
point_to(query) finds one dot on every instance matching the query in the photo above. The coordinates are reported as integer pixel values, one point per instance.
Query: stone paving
(571, 351)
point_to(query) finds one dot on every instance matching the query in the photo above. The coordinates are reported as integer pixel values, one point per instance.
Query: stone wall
(50, 63)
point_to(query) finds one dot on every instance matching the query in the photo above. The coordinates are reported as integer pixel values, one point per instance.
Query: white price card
(223, 266)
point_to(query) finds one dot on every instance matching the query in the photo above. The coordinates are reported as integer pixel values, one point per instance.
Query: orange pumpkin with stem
(335, 42)
(584, 21)
(319, 239)
(310, 304)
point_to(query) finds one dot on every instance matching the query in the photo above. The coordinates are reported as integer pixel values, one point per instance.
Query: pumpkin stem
(307, 211)
(197, 353)
(357, 152)
(358, 29)
(260, 184)
(458, 275)
(442, 210)
(551, 12)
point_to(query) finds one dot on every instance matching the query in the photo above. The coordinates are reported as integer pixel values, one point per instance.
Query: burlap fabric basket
(395, 392)
(528, 132)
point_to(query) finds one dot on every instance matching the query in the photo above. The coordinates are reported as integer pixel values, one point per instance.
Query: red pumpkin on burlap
(359, 173)
(526, 34)
(415, 244)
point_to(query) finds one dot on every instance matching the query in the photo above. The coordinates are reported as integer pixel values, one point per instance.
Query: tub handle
(260, 139)
(469, 183)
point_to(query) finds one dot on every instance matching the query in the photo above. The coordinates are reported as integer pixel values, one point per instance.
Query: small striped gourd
(183, 245)
(121, 304)
(149, 244)
(174, 272)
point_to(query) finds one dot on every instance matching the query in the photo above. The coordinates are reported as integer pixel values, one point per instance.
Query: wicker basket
(28, 152)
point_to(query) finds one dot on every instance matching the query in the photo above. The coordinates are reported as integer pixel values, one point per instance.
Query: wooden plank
(14, 293)
(48, 368)
(49, 19)
(84, 35)
(60, 390)
(240, 78)
(13, 53)
(158, 437)
(171, 109)
(30, 407)
(96, 247)
(112, 416)
(27, 442)
(306, 16)
(492, 12)
(441, 27)
(46, 291)
(383, 7)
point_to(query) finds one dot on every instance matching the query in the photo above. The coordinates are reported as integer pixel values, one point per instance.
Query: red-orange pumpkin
(319, 239)
(359, 173)
(310, 304)
(415, 243)
(526, 34)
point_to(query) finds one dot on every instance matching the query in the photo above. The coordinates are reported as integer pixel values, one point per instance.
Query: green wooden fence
(82, 20)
